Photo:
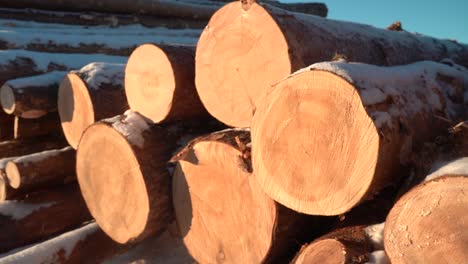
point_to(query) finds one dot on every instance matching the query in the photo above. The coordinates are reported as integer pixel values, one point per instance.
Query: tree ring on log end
(331, 250)
(13, 174)
(215, 199)
(150, 82)
(239, 47)
(112, 183)
(429, 224)
(7, 98)
(75, 108)
(316, 148)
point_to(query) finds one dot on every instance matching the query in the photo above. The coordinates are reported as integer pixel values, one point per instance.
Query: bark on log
(347, 245)
(21, 63)
(91, 94)
(343, 131)
(193, 9)
(6, 126)
(429, 224)
(160, 83)
(31, 97)
(47, 168)
(121, 169)
(47, 125)
(221, 210)
(40, 216)
(15, 148)
(242, 53)
(85, 245)
(98, 19)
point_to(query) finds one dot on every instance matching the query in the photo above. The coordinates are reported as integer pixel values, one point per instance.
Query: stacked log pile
(272, 135)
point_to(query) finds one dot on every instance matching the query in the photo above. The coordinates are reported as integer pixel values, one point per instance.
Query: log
(6, 126)
(193, 9)
(21, 63)
(31, 97)
(14, 148)
(221, 211)
(242, 53)
(93, 93)
(85, 245)
(41, 216)
(429, 223)
(6, 191)
(160, 83)
(38, 170)
(121, 169)
(47, 125)
(344, 131)
(112, 40)
(348, 245)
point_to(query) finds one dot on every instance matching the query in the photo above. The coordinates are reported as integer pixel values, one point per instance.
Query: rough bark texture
(85, 245)
(245, 219)
(430, 220)
(130, 201)
(242, 53)
(193, 9)
(15, 148)
(38, 170)
(31, 97)
(160, 83)
(41, 216)
(380, 117)
(47, 125)
(91, 94)
(6, 126)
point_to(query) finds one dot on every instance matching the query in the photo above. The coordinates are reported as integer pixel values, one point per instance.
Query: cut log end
(429, 224)
(331, 250)
(3, 189)
(75, 108)
(234, 66)
(7, 99)
(13, 174)
(215, 198)
(119, 203)
(150, 82)
(323, 113)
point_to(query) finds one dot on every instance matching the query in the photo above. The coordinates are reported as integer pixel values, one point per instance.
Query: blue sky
(441, 18)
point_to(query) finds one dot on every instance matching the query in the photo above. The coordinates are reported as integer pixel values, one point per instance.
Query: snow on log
(40, 216)
(85, 245)
(43, 126)
(47, 168)
(193, 9)
(242, 53)
(22, 63)
(14, 148)
(121, 169)
(31, 97)
(347, 245)
(221, 211)
(114, 40)
(6, 126)
(429, 223)
(93, 93)
(343, 131)
(160, 83)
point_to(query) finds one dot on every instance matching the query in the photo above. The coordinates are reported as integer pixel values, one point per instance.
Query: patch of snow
(20, 34)
(43, 60)
(378, 257)
(48, 251)
(131, 125)
(39, 156)
(456, 167)
(381, 118)
(373, 96)
(375, 234)
(98, 73)
(43, 80)
(18, 210)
